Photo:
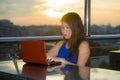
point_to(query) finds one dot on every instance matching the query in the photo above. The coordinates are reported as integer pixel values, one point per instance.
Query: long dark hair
(78, 32)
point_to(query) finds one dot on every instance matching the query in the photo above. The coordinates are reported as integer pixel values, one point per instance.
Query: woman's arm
(84, 53)
(53, 52)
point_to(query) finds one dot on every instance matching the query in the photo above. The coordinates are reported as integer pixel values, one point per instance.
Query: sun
(53, 13)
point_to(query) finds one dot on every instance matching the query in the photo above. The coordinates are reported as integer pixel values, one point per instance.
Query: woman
(74, 48)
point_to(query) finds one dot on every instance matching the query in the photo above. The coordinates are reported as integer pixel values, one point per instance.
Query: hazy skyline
(38, 12)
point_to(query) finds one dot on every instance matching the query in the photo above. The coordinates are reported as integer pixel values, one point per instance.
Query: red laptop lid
(34, 51)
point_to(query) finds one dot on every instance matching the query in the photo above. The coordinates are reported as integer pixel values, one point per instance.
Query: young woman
(74, 48)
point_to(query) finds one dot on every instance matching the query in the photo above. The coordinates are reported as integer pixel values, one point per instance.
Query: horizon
(53, 25)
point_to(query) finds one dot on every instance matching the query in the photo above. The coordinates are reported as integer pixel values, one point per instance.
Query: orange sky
(38, 12)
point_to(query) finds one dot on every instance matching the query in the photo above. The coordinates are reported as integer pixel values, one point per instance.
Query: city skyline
(38, 12)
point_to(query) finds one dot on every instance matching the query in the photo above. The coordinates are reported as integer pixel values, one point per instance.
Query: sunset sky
(39, 12)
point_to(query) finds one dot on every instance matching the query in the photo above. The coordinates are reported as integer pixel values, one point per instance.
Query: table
(115, 59)
(25, 71)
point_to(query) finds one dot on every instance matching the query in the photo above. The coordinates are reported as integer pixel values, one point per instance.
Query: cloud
(14, 8)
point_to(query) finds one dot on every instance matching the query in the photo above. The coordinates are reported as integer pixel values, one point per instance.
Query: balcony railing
(92, 37)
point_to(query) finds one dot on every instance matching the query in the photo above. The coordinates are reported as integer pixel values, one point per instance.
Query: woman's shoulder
(84, 47)
(59, 43)
(84, 43)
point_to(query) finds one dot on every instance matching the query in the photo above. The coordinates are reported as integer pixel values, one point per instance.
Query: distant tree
(5, 22)
(7, 28)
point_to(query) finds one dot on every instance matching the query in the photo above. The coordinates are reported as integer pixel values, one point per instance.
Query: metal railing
(91, 37)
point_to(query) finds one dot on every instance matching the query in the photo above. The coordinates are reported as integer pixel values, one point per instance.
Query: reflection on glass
(77, 73)
(34, 71)
(104, 74)
(8, 66)
(105, 17)
(70, 72)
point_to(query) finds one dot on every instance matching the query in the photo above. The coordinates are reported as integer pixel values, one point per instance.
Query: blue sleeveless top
(64, 52)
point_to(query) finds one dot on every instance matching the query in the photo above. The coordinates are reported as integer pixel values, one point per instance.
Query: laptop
(34, 51)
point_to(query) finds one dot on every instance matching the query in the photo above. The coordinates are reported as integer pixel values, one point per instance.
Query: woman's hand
(56, 59)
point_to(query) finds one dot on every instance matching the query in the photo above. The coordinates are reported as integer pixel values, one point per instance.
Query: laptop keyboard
(54, 63)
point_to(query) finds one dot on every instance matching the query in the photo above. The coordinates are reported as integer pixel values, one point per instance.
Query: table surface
(58, 72)
(115, 51)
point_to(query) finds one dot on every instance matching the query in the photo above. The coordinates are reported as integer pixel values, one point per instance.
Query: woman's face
(66, 30)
